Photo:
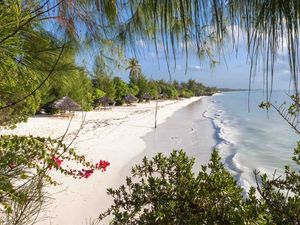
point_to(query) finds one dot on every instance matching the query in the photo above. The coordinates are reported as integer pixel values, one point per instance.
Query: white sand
(114, 135)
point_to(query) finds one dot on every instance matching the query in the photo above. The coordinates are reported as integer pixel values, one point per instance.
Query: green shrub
(165, 191)
(122, 90)
(186, 94)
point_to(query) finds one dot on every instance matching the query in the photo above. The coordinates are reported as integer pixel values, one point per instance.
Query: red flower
(57, 161)
(102, 165)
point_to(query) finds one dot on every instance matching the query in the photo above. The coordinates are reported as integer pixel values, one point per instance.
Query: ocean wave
(226, 139)
(219, 124)
(249, 141)
(218, 94)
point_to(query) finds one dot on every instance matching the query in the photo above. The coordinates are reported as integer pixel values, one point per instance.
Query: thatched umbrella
(65, 104)
(147, 97)
(104, 101)
(130, 99)
(164, 96)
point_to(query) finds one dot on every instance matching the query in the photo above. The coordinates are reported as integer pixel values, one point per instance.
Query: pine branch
(30, 20)
(39, 86)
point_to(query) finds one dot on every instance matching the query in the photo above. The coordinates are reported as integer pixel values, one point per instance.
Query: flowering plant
(25, 165)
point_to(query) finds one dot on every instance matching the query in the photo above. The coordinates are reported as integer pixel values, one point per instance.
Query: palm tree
(135, 70)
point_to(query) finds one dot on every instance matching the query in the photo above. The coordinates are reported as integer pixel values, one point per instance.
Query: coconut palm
(135, 70)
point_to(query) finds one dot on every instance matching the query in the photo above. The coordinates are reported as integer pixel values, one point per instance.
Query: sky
(232, 71)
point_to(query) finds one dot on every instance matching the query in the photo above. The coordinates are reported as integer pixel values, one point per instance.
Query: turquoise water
(254, 140)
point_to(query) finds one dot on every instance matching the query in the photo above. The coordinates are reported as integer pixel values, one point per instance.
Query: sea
(249, 138)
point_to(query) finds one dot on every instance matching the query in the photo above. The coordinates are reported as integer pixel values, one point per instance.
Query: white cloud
(194, 68)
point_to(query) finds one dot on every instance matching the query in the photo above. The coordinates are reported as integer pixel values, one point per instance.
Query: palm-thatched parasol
(65, 104)
(164, 96)
(104, 101)
(130, 99)
(147, 97)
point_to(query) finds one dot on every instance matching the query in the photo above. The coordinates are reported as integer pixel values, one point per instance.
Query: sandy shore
(121, 135)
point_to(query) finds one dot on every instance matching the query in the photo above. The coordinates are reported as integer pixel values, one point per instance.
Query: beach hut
(105, 101)
(147, 97)
(164, 96)
(65, 104)
(130, 99)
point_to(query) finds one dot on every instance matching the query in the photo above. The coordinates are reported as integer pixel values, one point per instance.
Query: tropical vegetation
(167, 190)
(40, 42)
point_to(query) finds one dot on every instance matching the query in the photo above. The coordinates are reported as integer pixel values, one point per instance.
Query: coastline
(186, 129)
(120, 135)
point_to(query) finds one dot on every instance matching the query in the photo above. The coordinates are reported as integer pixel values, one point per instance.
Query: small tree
(282, 193)
(142, 84)
(106, 84)
(153, 89)
(122, 90)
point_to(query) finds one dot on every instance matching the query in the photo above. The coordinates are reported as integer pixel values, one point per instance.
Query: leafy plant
(281, 193)
(165, 190)
(25, 165)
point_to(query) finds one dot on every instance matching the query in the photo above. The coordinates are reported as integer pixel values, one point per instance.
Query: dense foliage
(165, 190)
(140, 86)
(117, 89)
(36, 68)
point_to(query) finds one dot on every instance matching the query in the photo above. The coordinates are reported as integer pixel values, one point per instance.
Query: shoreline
(119, 135)
(186, 129)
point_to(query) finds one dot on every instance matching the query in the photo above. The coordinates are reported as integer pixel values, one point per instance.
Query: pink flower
(102, 165)
(57, 161)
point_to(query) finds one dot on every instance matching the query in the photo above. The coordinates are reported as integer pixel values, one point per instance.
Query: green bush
(105, 83)
(165, 190)
(170, 91)
(122, 90)
(186, 94)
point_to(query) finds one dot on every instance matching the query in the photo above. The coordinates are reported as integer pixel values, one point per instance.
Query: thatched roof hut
(163, 96)
(130, 99)
(65, 104)
(147, 97)
(105, 101)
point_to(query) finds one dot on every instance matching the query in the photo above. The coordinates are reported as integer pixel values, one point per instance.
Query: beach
(122, 136)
